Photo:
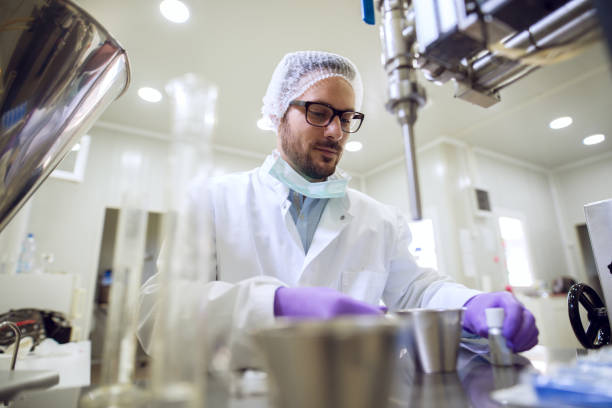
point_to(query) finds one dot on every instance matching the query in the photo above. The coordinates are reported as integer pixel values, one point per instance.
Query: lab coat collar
(335, 217)
(281, 190)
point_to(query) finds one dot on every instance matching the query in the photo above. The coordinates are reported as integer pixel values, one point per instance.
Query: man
(292, 240)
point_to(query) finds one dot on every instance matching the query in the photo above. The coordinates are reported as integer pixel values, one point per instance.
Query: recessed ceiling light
(593, 139)
(263, 124)
(560, 123)
(174, 10)
(353, 146)
(150, 94)
(76, 147)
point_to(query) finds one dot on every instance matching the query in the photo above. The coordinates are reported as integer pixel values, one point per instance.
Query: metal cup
(432, 337)
(344, 362)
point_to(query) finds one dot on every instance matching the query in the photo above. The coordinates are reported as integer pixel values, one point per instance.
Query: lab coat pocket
(366, 285)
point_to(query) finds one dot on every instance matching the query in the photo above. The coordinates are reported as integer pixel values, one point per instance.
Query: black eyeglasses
(321, 114)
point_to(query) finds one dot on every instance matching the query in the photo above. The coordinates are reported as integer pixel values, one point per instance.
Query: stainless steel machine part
(405, 94)
(483, 46)
(550, 24)
(499, 60)
(59, 70)
(599, 224)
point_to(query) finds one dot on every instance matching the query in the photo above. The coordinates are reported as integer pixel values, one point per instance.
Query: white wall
(67, 218)
(442, 172)
(577, 185)
(11, 239)
(524, 191)
(469, 246)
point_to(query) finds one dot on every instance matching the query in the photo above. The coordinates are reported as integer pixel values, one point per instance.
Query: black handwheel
(598, 332)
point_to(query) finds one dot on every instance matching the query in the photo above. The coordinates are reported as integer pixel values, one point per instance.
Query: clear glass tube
(179, 363)
(116, 387)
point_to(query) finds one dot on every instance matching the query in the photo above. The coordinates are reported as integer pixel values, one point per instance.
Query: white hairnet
(296, 73)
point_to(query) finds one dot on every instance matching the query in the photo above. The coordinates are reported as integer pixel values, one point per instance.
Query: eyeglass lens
(321, 115)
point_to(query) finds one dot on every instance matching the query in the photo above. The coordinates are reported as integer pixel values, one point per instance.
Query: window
(423, 245)
(72, 166)
(514, 242)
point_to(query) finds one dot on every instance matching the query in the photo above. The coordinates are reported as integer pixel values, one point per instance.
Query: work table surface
(470, 386)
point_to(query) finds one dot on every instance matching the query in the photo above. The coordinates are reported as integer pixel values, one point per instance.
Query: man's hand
(315, 302)
(519, 327)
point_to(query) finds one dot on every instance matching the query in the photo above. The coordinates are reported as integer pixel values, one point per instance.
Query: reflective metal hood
(59, 70)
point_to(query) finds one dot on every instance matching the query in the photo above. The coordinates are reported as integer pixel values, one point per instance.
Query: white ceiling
(236, 45)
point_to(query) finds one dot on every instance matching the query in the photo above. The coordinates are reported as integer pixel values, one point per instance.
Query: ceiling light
(353, 146)
(263, 124)
(560, 123)
(174, 10)
(76, 147)
(150, 94)
(593, 139)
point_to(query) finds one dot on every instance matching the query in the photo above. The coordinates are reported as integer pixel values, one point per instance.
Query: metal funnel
(59, 70)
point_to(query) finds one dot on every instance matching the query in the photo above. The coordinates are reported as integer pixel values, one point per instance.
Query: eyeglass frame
(336, 112)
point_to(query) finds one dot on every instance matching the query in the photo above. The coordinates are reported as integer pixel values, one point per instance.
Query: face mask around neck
(283, 172)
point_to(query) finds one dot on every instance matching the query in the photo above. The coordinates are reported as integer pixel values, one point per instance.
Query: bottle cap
(495, 317)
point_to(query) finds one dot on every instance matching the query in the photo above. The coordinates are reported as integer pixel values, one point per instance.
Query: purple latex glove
(519, 327)
(322, 303)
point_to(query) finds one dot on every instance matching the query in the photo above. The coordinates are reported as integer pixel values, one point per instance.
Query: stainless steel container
(340, 363)
(431, 337)
(59, 70)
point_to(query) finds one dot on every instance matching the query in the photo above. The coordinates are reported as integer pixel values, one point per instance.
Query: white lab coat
(360, 248)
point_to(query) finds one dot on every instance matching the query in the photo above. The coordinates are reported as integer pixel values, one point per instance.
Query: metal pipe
(414, 193)
(492, 71)
(396, 51)
(549, 24)
(498, 77)
(17, 332)
(580, 25)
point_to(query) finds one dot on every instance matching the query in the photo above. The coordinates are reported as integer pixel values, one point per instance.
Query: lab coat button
(342, 217)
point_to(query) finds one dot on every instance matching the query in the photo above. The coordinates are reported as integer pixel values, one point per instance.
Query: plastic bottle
(27, 258)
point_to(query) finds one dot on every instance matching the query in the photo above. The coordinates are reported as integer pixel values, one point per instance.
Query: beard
(301, 159)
